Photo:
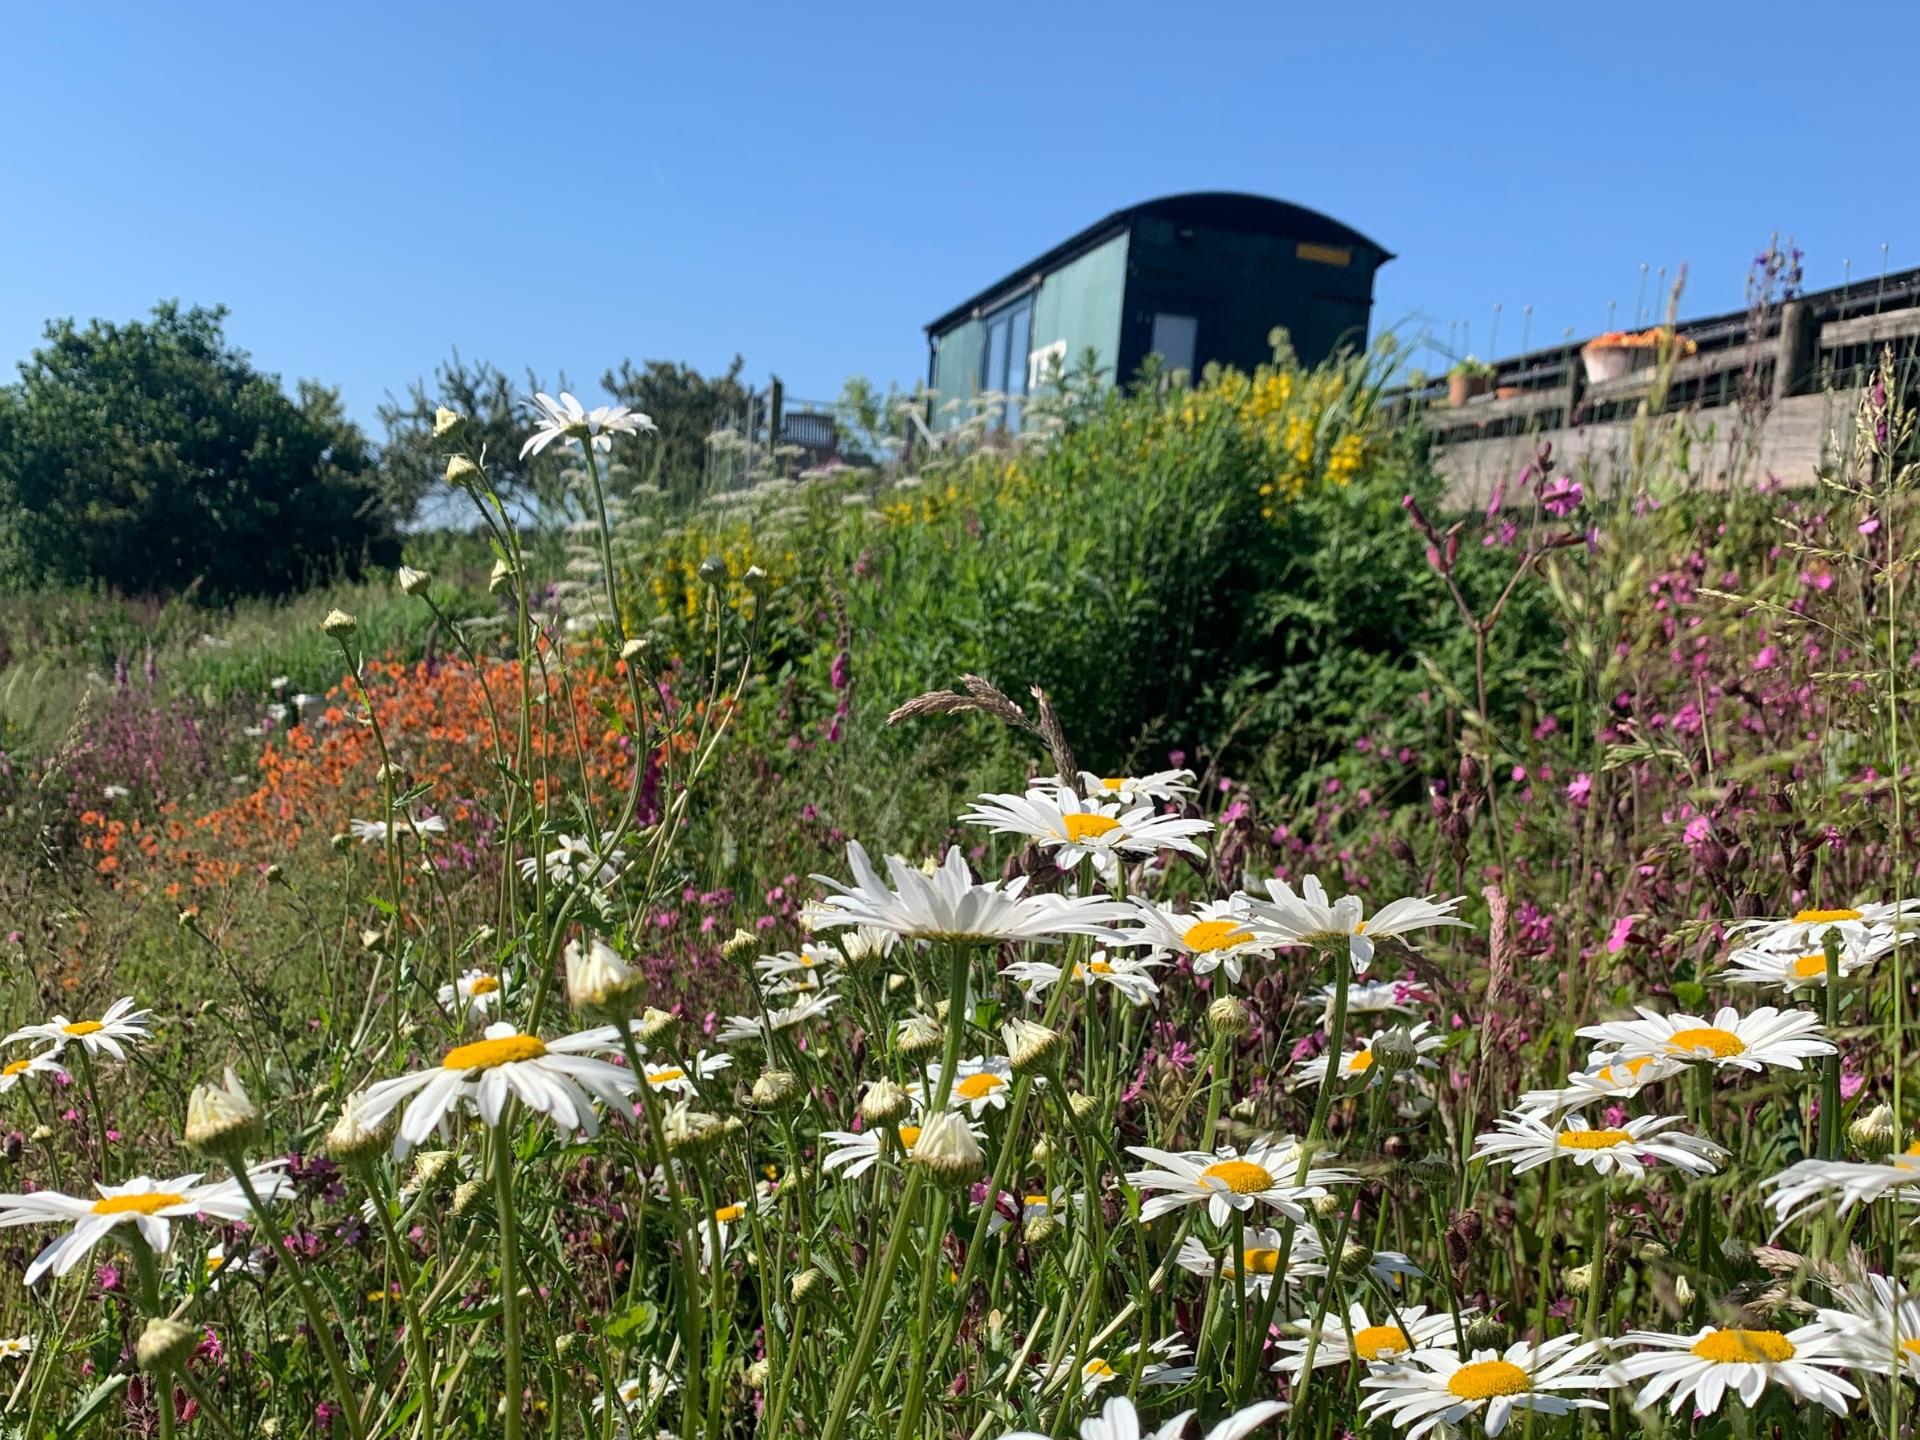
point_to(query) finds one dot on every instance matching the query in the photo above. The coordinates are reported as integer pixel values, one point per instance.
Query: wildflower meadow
(1167, 925)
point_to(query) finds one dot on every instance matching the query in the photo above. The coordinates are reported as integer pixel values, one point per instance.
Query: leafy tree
(413, 464)
(153, 457)
(687, 407)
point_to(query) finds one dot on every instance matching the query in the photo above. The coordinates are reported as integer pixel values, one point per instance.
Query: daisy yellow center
(1484, 1379)
(1744, 1347)
(214, 1262)
(1824, 917)
(909, 1136)
(1092, 967)
(1112, 782)
(486, 1054)
(1088, 827)
(1242, 1177)
(1211, 935)
(1378, 1340)
(1720, 1044)
(84, 1027)
(1097, 1367)
(1035, 1200)
(727, 1214)
(978, 1087)
(1808, 966)
(1361, 1062)
(666, 1077)
(16, 1067)
(1911, 1345)
(151, 1203)
(1624, 1072)
(1593, 1139)
(484, 985)
(1260, 1262)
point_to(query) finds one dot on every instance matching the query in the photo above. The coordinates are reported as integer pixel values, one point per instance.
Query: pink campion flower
(1697, 831)
(1869, 526)
(1519, 774)
(1622, 932)
(1768, 657)
(1561, 497)
(1579, 788)
(1851, 1083)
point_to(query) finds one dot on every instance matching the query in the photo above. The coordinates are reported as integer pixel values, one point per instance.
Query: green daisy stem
(403, 1267)
(1830, 1066)
(1596, 1260)
(509, 1272)
(1336, 1037)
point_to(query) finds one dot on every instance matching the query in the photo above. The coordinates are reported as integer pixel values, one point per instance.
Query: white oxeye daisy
(1764, 1037)
(474, 995)
(1809, 1185)
(16, 1347)
(1075, 829)
(1375, 997)
(1882, 1317)
(1394, 1337)
(1620, 1080)
(1160, 786)
(570, 422)
(148, 1204)
(120, 1023)
(858, 1151)
(639, 1395)
(1363, 1064)
(1214, 936)
(1229, 1180)
(740, 1029)
(1259, 1259)
(1527, 1142)
(719, 1230)
(1807, 930)
(1436, 1387)
(1790, 969)
(15, 1072)
(946, 904)
(554, 1077)
(573, 861)
(1704, 1367)
(787, 973)
(1310, 918)
(680, 1079)
(375, 832)
(218, 1267)
(1118, 1420)
(1132, 978)
(1160, 1364)
(981, 1084)
(1307, 1261)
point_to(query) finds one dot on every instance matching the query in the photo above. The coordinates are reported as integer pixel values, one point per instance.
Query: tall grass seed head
(1031, 1046)
(221, 1118)
(599, 982)
(947, 1151)
(884, 1103)
(339, 624)
(165, 1345)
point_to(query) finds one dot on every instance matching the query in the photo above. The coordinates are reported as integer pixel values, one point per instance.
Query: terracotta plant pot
(1610, 362)
(1462, 388)
(1505, 392)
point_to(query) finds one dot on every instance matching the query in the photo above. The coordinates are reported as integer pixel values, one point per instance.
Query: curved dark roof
(1227, 209)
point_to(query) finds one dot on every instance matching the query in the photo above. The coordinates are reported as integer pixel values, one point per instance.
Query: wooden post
(776, 414)
(1572, 388)
(1798, 348)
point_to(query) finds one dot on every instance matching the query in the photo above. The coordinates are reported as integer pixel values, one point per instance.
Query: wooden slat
(1869, 329)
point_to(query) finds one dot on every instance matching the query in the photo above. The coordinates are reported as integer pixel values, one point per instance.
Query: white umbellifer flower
(1118, 1420)
(474, 994)
(1396, 1336)
(1377, 997)
(1359, 1064)
(554, 1077)
(1527, 1142)
(679, 1079)
(739, 1029)
(1259, 1259)
(1228, 1180)
(1215, 935)
(1157, 788)
(1704, 1367)
(1621, 1080)
(17, 1347)
(15, 1071)
(1436, 1387)
(1132, 978)
(1075, 829)
(567, 420)
(981, 1084)
(1758, 965)
(1807, 930)
(144, 1202)
(1161, 1366)
(572, 860)
(1882, 1318)
(121, 1023)
(374, 832)
(1800, 1189)
(1310, 918)
(946, 904)
(1767, 1036)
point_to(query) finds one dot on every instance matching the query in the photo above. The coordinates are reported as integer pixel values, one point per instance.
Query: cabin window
(1003, 361)
(1174, 340)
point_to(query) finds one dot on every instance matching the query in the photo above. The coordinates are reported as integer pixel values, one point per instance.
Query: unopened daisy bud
(774, 1089)
(758, 1373)
(220, 1118)
(692, 1132)
(429, 1166)
(1395, 1052)
(1576, 1278)
(465, 1195)
(655, 1022)
(809, 1284)
(339, 624)
(634, 648)
(1040, 1230)
(1432, 1168)
(567, 1342)
(412, 581)
(916, 1036)
(947, 1151)
(896, 983)
(165, 1345)
(391, 773)
(1228, 1017)
(462, 471)
(756, 579)
(1874, 1134)
(1651, 1251)
(713, 570)
(352, 1139)
(1030, 1046)
(340, 841)
(500, 576)
(1328, 1206)
(1682, 1291)
(369, 939)
(740, 943)
(1081, 1104)
(599, 982)
(1042, 1151)
(445, 422)
(1355, 1258)
(41, 1133)
(1484, 1332)
(733, 1125)
(884, 1103)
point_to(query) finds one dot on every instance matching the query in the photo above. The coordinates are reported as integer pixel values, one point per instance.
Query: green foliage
(687, 407)
(152, 456)
(413, 463)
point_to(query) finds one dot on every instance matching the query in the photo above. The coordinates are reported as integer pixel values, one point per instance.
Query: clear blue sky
(368, 186)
